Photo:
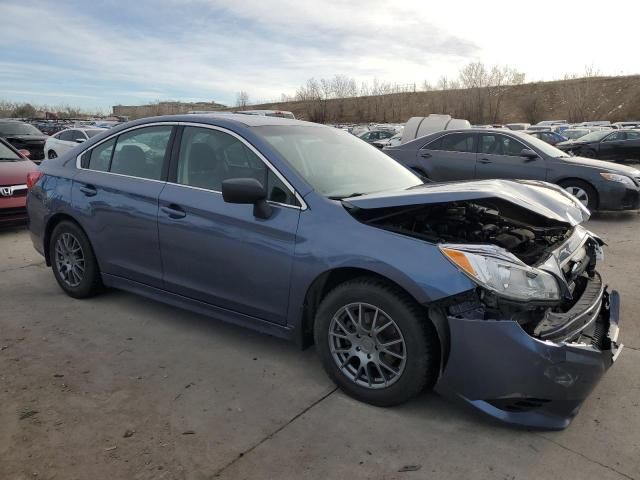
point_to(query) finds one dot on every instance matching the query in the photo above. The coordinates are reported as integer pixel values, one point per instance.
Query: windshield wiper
(342, 197)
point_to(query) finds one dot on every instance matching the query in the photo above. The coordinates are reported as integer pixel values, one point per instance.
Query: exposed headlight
(614, 177)
(505, 275)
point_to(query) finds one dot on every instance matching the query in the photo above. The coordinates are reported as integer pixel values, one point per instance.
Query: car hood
(540, 197)
(604, 165)
(15, 173)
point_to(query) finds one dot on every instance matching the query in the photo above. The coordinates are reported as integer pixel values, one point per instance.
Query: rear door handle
(484, 160)
(425, 155)
(89, 190)
(174, 211)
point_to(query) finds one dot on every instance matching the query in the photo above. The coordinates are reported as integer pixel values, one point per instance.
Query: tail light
(33, 177)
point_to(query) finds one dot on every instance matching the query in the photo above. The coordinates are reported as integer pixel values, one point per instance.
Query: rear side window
(455, 142)
(141, 152)
(100, 157)
(633, 135)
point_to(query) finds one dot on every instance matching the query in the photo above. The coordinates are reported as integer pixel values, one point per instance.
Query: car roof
(214, 117)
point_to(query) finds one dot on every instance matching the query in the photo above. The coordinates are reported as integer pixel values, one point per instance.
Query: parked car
(388, 142)
(617, 145)
(540, 128)
(305, 232)
(552, 138)
(626, 125)
(417, 127)
(518, 126)
(375, 135)
(24, 136)
(269, 113)
(551, 123)
(482, 154)
(65, 140)
(15, 167)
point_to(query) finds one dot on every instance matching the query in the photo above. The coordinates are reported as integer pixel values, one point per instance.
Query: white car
(65, 140)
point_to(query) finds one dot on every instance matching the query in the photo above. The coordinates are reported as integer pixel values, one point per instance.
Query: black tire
(90, 282)
(51, 154)
(592, 203)
(422, 350)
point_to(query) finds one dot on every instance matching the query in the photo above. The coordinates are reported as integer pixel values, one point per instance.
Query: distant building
(163, 108)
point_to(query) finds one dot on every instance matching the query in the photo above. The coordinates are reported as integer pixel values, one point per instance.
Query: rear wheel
(52, 154)
(73, 261)
(583, 192)
(375, 342)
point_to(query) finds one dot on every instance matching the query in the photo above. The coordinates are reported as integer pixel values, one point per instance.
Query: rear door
(116, 191)
(612, 147)
(218, 252)
(450, 157)
(499, 157)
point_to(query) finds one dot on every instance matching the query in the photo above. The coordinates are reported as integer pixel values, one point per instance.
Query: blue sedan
(487, 290)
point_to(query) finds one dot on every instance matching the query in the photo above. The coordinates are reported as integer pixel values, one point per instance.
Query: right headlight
(505, 275)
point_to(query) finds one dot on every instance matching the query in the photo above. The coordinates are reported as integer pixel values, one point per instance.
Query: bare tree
(242, 99)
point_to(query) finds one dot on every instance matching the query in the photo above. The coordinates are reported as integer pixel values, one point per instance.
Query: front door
(499, 157)
(219, 252)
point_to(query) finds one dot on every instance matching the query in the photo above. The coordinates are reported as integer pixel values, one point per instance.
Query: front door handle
(174, 211)
(89, 190)
(484, 161)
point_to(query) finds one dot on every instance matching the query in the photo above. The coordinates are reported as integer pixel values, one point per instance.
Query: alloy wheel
(70, 260)
(367, 345)
(579, 193)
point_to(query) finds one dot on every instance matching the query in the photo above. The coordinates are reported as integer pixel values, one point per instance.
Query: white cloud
(210, 50)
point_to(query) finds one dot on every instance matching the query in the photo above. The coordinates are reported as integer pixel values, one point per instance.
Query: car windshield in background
(595, 136)
(8, 155)
(335, 163)
(547, 149)
(16, 128)
(575, 134)
(93, 133)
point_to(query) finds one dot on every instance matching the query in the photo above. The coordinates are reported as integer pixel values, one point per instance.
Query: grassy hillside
(593, 98)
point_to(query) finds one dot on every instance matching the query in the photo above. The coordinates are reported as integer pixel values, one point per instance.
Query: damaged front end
(532, 340)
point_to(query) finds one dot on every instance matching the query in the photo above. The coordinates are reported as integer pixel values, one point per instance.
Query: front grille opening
(525, 404)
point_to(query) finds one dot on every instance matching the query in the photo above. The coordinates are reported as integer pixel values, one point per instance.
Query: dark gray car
(483, 154)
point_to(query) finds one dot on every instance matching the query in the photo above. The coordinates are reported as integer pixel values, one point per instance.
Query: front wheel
(583, 192)
(376, 343)
(73, 261)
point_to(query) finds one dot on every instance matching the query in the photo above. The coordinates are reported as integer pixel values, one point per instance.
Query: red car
(16, 172)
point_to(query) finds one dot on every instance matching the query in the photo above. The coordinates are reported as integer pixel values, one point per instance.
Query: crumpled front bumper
(495, 366)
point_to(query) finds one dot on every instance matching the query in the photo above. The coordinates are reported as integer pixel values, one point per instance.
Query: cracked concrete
(124, 387)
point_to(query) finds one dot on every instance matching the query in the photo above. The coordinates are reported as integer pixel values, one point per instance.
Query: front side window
(494, 144)
(208, 157)
(141, 152)
(615, 137)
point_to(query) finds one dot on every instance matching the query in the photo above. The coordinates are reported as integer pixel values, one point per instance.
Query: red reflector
(33, 177)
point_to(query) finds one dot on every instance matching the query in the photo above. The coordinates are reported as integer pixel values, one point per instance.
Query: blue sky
(101, 53)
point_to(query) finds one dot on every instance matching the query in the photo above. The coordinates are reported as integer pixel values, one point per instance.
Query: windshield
(573, 134)
(595, 136)
(335, 163)
(18, 128)
(541, 145)
(97, 131)
(8, 155)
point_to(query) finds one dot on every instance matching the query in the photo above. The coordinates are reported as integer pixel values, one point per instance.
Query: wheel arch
(565, 180)
(327, 281)
(51, 224)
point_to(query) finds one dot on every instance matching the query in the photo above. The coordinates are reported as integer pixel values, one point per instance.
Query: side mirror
(80, 140)
(247, 191)
(24, 152)
(528, 154)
